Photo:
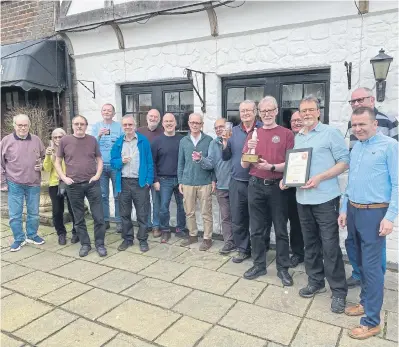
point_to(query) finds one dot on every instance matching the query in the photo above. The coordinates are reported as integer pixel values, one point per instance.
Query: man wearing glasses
(21, 165)
(83, 164)
(363, 97)
(318, 204)
(195, 182)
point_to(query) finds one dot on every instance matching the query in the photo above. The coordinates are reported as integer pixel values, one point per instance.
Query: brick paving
(170, 296)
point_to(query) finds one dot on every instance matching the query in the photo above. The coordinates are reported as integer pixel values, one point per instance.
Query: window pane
(287, 114)
(142, 119)
(187, 101)
(317, 90)
(8, 101)
(129, 103)
(254, 93)
(292, 95)
(15, 99)
(184, 121)
(145, 102)
(172, 102)
(234, 97)
(234, 117)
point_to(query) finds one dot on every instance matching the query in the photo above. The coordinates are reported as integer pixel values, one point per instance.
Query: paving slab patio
(208, 260)
(10, 342)
(316, 334)
(129, 261)
(66, 293)
(116, 280)
(13, 271)
(122, 340)
(244, 290)
(45, 261)
(347, 341)
(164, 270)
(392, 326)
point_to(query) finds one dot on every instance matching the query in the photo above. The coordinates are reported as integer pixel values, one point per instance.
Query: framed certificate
(297, 167)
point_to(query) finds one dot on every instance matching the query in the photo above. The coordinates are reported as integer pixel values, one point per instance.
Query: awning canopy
(38, 64)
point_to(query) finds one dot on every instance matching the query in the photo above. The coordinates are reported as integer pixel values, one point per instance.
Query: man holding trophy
(266, 159)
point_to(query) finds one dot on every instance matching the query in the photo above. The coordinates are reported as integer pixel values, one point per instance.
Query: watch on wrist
(273, 168)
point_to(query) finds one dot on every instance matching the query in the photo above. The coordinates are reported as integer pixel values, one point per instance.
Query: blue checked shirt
(373, 174)
(328, 148)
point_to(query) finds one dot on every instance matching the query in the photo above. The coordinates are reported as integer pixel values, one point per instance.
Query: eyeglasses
(128, 125)
(358, 100)
(247, 111)
(196, 123)
(264, 112)
(58, 137)
(22, 125)
(311, 110)
(79, 124)
(220, 127)
(296, 120)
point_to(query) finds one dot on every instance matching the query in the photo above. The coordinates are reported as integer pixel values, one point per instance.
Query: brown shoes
(205, 245)
(189, 241)
(356, 310)
(156, 232)
(362, 332)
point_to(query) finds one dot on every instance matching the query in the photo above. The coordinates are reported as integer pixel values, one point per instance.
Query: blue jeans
(169, 186)
(156, 203)
(351, 252)
(16, 195)
(106, 175)
(363, 226)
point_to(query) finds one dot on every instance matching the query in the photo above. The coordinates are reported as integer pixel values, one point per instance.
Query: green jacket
(189, 172)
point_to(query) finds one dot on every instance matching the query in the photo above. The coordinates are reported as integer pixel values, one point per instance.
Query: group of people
(154, 162)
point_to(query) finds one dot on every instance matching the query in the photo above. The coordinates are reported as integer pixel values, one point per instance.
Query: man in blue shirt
(106, 132)
(318, 202)
(363, 97)
(369, 209)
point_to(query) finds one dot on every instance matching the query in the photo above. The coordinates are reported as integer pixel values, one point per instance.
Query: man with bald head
(165, 153)
(151, 132)
(363, 97)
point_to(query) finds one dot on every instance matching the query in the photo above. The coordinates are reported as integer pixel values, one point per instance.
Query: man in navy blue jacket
(132, 159)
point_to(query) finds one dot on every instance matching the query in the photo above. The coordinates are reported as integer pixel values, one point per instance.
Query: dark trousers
(92, 191)
(364, 225)
(58, 204)
(223, 198)
(263, 199)
(238, 193)
(131, 194)
(321, 237)
(296, 238)
(170, 186)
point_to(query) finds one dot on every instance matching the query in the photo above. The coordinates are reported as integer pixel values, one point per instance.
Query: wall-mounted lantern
(381, 64)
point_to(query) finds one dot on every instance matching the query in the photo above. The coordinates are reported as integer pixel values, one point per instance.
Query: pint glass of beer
(228, 129)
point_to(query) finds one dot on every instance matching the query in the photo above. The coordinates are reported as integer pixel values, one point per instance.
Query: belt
(265, 181)
(368, 206)
(130, 178)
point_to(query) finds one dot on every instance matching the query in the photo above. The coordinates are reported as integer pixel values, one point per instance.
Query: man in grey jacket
(222, 169)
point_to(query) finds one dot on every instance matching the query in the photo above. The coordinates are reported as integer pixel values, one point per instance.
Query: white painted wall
(250, 43)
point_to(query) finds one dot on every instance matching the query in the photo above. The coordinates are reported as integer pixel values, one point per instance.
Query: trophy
(250, 156)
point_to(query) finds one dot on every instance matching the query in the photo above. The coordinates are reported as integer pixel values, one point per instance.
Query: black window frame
(157, 91)
(273, 85)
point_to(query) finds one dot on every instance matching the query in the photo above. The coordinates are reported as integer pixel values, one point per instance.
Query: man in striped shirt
(363, 97)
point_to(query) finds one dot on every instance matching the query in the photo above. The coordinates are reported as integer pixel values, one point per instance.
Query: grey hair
(246, 102)
(368, 91)
(196, 114)
(108, 104)
(269, 98)
(311, 98)
(20, 116)
(129, 115)
(58, 130)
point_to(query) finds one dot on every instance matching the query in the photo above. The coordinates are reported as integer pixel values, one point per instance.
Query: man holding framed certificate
(322, 148)
(269, 144)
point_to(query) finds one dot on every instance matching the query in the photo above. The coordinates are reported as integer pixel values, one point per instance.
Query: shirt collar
(18, 138)
(372, 139)
(317, 128)
(256, 124)
(134, 137)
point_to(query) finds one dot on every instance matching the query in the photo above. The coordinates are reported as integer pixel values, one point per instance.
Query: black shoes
(119, 228)
(144, 246)
(84, 250)
(310, 291)
(227, 248)
(101, 250)
(285, 277)
(62, 240)
(254, 272)
(165, 237)
(352, 282)
(125, 245)
(75, 238)
(338, 305)
(107, 226)
(240, 257)
(295, 261)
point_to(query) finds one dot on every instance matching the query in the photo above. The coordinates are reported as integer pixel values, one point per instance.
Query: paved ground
(171, 296)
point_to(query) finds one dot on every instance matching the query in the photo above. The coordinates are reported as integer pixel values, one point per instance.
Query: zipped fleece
(189, 172)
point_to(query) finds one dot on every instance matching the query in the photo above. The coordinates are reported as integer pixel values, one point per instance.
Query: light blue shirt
(373, 174)
(328, 148)
(107, 141)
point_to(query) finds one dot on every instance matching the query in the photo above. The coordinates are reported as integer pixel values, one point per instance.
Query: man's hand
(386, 227)
(68, 181)
(262, 164)
(282, 186)
(213, 186)
(157, 186)
(4, 188)
(102, 131)
(196, 156)
(252, 144)
(342, 220)
(39, 167)
(224, 140)
(313, 182)
(49, 151)
(94, 179)
(181, 189)
(126, 159)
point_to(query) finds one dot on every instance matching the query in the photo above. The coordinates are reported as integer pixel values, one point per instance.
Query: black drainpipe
(69, 81)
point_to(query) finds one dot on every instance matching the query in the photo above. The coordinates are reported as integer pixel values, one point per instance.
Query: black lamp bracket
(190, 73)
(349, 73)
(92, 91)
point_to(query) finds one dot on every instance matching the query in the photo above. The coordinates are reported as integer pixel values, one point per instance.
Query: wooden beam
(363, 6)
